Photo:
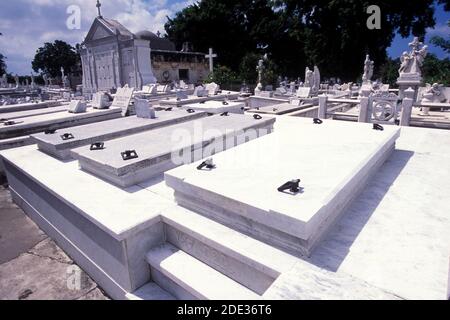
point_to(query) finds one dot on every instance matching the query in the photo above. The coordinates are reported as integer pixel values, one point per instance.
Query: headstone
(303, 92)
(200, 92)
(291, 90)
(66, 96)
(295, 102)
(212, 88)
(122, 100)
(281, 90)
(183, 85)
(100, 100)
(181, 95)
(77, 106)
(150, 89)
(143, 109)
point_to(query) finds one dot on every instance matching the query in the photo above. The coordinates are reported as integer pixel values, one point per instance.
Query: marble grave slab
(333, 163)
(54, 145)
(130, 160)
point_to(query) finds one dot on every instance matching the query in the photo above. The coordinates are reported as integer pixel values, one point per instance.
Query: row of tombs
(198, 201)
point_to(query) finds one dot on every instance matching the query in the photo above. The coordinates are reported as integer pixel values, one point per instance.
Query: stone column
(323, 101)
(143, 63)
(365, 106)
(407, 105)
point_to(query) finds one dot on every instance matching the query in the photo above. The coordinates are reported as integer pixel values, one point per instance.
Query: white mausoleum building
(112, 56)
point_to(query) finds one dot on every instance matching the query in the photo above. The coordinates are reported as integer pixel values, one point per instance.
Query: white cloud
(27, 24)
(442, 30)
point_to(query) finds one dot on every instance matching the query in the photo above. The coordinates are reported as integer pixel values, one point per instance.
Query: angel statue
(309, 78)
(368, 70)
(433, 93)
(411, 63)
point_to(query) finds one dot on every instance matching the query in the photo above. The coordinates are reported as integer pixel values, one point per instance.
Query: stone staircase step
(194, 276)
(150, 291)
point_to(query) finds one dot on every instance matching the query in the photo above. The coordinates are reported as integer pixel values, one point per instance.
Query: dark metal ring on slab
(208, 164)
(378, 127)
(317, 121)
(67, 136)
(97, 146)
(9, 123)
(257, 117)
(292, 186)
(190, 110)
(168, 109)
(129, 154)
(224, 114)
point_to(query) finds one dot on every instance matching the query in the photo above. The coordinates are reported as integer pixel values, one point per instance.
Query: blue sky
(27, 24)
(400, 44)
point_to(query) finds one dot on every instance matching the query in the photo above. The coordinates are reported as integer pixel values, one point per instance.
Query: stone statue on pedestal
(3, 81)
(368, 70)
(309, 78)
(410, 73)
(45, 78)
(260, 69)
(312, 79)
(16, 79)
(411, 63)
(33, 84)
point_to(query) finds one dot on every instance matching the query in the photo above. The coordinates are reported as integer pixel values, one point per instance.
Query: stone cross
(211, 56)
(99, 5)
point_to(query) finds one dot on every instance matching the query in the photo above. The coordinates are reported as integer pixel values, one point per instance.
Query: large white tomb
(195, 99)
(58, 120)
(29, 106)
(279, 109)
(216, 107)
(129, 160)
(333, 165)
(54, 144)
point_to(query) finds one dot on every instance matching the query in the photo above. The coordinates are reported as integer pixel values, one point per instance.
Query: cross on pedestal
(211, 56)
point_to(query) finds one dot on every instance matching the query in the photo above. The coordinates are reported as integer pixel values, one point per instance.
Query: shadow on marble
(335, 247)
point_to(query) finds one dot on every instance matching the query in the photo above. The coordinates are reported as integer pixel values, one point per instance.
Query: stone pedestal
(409, 81)
(144, 68)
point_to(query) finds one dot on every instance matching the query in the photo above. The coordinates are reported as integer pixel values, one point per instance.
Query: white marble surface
(247, 177)
(396, 234)
(392, 242)
(120, 212)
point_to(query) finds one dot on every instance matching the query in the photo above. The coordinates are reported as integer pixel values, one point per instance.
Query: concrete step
(250, 262)
(189, 276)
(150, 291)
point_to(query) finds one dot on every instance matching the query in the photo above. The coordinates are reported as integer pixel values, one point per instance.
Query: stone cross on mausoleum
(211, 56)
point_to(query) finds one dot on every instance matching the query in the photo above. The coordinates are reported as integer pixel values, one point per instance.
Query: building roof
(116, 27)
(156, 43)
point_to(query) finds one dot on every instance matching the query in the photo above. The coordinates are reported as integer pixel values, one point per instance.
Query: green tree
(222, 75)
(436, 70)
(52, 56)
(442, 42)
(331, 34)
(2, 62)
(336, 36)
(388, 71)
